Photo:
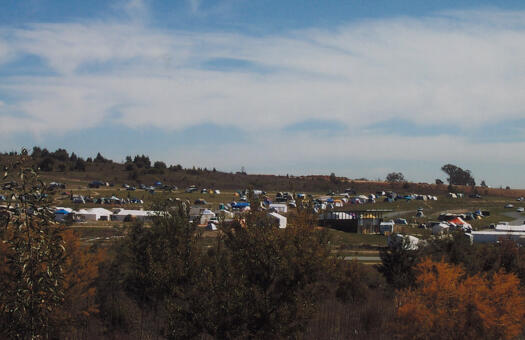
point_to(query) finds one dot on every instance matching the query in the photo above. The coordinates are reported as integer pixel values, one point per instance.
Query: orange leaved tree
(80, 272)
(448, 304)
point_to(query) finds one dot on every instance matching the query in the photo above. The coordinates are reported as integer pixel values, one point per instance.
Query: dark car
(200, 202)
(96, 184)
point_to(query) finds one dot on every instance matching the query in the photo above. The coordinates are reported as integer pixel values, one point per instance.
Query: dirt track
(518, 218)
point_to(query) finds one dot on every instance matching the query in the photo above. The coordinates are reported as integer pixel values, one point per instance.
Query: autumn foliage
(80, 272)
(448, 304)
(46, 276)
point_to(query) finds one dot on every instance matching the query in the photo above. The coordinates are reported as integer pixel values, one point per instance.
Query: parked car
(508, 206)
(96, 184)
(401, 221)
(520, 209)
(200, 202)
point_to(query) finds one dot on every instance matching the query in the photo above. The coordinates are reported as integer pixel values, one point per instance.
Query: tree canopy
(395, 177)
(458, 176)
(448, 304)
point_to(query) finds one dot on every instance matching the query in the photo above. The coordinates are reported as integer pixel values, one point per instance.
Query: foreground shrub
(448, 304)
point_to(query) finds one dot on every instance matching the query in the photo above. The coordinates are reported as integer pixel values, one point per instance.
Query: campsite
(103, 202)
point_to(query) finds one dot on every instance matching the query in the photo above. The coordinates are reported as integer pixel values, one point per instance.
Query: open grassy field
(400, 208)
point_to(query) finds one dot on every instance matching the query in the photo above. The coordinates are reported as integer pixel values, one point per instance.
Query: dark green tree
(256, 281)
(395, 177)
(47, 164)
(159, 165)
(397, 264)
(80, 165)
(458, 176)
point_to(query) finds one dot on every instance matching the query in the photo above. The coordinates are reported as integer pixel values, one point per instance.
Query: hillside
(75, 172)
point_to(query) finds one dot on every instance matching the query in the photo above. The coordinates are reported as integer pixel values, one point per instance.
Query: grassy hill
(76, 173)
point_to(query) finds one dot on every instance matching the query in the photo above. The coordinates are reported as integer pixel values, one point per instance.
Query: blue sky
(359, 88)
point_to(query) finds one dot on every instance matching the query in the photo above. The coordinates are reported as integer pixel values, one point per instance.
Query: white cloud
(4, 51)
(460, 68)
(136, 10)
(430, 70)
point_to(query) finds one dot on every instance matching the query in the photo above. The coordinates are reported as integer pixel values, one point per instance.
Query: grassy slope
(344, 244)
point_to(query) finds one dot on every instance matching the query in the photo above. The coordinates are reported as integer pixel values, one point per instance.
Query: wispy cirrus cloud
(464, 70)
(441, 69)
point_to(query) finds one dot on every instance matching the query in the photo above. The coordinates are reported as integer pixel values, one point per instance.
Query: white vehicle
(386, 227)
(520, 209)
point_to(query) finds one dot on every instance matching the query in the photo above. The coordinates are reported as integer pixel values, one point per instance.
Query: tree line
(456, 176)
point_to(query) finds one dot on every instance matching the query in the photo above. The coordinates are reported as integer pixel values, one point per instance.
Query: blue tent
(330, 200)
(240, 205)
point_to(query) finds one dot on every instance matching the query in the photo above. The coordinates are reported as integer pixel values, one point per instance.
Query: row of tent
(209, 218)
(79, 199)
(101, 214)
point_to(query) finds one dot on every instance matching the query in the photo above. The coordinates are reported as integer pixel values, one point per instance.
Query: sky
(359, 88)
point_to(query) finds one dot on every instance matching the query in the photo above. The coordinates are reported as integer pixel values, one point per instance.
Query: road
(518, 218)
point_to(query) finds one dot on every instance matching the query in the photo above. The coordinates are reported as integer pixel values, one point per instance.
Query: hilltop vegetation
(75, 171)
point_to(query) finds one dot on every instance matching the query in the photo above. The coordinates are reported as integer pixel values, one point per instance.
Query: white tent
(510, 228)
(224, 214)
(94, 214)
(282, 220)
(121, 214)
(278, 207)
(396, 240)
(440, 228)
(490, 236)
(206, 215)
